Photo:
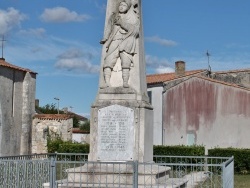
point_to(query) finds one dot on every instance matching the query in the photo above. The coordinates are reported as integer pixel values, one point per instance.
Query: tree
(49, 109)
(85, 126)
(75, 122)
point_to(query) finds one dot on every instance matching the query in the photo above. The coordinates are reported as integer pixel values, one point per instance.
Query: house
(203, 108)
(155, 85)
(17, 106)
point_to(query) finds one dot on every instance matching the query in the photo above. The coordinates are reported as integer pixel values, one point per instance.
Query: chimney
(37, 103)
(180, 68)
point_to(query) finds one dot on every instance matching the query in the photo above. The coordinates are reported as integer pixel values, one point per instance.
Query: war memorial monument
(121, 116)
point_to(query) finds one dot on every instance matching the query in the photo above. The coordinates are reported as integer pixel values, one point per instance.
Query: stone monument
(121, 130)
(121, 116)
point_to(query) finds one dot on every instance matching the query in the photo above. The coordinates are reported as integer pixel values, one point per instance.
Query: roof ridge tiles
(53, 116)
(9, 65)
(221, 82)
(164, 77)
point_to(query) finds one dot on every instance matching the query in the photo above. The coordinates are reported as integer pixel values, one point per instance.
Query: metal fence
(74, 170)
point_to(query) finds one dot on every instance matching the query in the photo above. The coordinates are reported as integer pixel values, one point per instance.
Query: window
(150, 96)
(190, 139)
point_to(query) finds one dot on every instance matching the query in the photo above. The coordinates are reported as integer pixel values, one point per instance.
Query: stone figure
(120, 40)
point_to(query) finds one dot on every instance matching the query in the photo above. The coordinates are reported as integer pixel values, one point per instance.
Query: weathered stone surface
(54, 127)
(17, 98)
(115, 133)
(133, 21)
(118, 174)
(241, 78)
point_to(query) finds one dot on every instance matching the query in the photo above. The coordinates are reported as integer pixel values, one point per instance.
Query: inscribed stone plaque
(115, 133)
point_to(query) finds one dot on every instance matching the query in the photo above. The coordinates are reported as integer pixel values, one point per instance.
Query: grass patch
(241, 181)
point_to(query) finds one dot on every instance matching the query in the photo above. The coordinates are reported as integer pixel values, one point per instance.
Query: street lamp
(56, 98)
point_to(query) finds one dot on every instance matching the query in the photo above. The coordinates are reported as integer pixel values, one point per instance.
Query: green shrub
(53, 145)
(180, 150)
(60, 146)
(86, 126)
(241, 158)
(68, 147)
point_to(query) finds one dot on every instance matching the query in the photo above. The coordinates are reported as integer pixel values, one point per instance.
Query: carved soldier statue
(120, 40)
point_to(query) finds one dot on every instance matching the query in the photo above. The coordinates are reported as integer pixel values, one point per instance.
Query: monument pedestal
(121, 128)
(120, 175)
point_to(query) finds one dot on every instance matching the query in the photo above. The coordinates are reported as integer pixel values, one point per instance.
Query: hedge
(241, 158)
(180, 150)
(68, 147)
(61, 146)
(73, 148)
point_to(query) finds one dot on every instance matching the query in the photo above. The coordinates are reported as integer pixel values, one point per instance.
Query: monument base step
(170, 183)
(118, 174)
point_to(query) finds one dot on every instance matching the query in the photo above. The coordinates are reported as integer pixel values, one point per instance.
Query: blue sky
(59, 39)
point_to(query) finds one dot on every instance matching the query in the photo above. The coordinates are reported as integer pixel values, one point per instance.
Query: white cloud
(153, 61)
(35, 51)
(37, 32)
(163, 42)
(77, 65)
(77, 60)
(162, 69)
(10, 19)
(159, 65)
(61, 14)
(76, 53)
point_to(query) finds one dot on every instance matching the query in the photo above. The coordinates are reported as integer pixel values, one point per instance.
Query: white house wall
(156, 102)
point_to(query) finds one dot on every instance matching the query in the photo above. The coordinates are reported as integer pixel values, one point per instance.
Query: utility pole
(208, 56)
(56, 98)
(209, 71)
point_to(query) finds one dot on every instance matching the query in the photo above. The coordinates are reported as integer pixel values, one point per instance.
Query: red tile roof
(160, 78)
(79, 131)
(6, 64)
(53, 116)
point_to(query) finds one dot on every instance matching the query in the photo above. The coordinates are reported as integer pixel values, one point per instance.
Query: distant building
(80, 136)
(52, 125)
(199, 107)
(17, 106)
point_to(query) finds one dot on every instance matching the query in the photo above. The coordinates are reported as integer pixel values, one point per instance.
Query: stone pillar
(1, 125)
(121, 116)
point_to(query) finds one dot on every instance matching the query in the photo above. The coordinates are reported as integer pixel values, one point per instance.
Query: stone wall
(240, 77)
(50, 124)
